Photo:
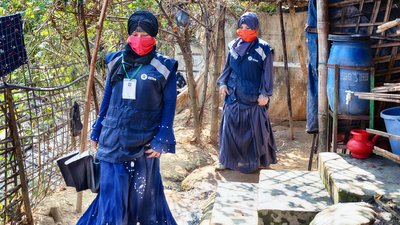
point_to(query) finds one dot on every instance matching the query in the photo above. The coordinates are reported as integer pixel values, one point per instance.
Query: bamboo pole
(389, 88)
(391, 84)
(348, 3)
(384, 153)
(383, 134)
(380, 99)
(379, 95)
(89, 92)
(323, 30)
(19, 157)
(287, 78)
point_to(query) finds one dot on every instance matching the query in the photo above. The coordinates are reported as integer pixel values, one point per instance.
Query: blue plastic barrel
(349, 50)
(391, 117)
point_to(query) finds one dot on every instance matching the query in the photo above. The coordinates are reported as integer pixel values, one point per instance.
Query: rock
(354, 213)
(204, 174)
(44, 220)
(175, 167)
(56, 214)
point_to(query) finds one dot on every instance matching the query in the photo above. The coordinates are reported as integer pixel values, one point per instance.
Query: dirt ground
(189, 176)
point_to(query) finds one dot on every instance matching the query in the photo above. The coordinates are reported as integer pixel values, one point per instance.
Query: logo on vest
(251, 59)
(144, 76)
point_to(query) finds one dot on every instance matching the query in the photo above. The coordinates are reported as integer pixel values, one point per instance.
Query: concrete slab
(349, 180)
(290, 197)
(235, 203)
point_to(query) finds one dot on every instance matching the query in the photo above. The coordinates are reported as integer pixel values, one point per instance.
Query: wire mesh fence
(43, 118)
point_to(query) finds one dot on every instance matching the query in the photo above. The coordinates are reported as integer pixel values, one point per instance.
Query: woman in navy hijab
(133, 128)
(246, 141)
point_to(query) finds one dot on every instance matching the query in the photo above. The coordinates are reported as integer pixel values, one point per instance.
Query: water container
(392, 123)
(349, 50)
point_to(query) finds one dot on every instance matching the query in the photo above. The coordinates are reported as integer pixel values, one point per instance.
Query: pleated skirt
(246, 140)
(131, 193)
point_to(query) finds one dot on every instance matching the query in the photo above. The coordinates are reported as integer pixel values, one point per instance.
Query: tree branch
(169, 32)
(170, 23)
(219, 17)
(195, 19)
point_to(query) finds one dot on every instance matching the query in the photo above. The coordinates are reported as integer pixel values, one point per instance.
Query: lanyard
(134, 73)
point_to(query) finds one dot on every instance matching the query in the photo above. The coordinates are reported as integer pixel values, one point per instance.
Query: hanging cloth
(76, 123)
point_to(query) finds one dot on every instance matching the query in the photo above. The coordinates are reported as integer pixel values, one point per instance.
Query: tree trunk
(218, 59)
(188, 58)
(207, 49)
(206, 72)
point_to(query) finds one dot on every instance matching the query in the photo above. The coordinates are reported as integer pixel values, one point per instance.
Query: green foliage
(266, 7)
(2, 137)
(239, 7)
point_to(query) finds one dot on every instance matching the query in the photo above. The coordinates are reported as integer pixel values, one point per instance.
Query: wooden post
(335, 110)
(87, 50)
(372, 102)
(323, 30)
(19, 156)
(287, 78)
(89, 92)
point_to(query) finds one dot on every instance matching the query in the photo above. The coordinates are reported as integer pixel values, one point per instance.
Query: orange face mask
(247, 35)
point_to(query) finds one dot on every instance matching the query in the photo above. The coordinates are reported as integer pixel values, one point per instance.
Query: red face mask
(141, 45)
(247, 35)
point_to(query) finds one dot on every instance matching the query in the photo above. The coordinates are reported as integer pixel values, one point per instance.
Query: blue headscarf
(250, 19)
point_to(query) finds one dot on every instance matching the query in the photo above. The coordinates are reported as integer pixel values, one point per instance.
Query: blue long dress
(246, 141)
(131, 190)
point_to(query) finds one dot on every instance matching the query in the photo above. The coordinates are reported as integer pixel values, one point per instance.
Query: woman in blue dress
(246, 141)
(133, 128)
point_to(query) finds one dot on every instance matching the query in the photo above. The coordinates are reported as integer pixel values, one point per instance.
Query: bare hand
(95, 144)
(262, 100)
(152, 154)
(223, 90)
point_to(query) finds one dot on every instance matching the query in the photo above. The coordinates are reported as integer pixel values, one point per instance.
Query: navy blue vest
(245, 78)
(130, 124)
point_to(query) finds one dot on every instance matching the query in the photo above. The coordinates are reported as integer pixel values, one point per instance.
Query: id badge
(129, 89)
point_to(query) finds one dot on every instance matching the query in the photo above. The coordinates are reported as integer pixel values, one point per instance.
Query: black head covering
(146, 20)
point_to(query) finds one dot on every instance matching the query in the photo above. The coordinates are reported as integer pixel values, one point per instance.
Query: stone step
(350, 180)
(290, 197)
(235, 203)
